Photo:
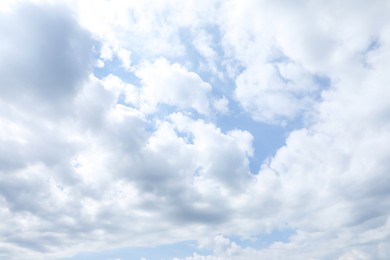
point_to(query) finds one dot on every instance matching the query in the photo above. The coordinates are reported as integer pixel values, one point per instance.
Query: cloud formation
(113, 133)
(46, 55)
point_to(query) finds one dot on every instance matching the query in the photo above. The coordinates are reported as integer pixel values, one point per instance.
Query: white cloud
(125, 57)
(172, 84)
(284, 52)
(106, 53)
(117, 86)
(269, 97)
(220, 157)
(92, 164)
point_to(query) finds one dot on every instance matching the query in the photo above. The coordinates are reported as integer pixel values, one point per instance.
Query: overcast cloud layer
(114, 133)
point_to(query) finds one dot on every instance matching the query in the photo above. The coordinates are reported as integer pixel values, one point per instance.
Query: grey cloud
(45, 56)
(45, 59)
(212, 215)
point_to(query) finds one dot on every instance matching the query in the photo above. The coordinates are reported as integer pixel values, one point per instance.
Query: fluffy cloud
(174, 85)
(330, 177)
(91, 163)
(74, 174)
(274, 92)
(46, 56)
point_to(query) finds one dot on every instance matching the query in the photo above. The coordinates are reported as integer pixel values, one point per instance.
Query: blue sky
(193, 130)
(182, 249)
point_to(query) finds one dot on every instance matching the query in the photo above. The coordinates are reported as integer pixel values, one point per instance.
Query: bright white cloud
(141, 155)
(174, 85)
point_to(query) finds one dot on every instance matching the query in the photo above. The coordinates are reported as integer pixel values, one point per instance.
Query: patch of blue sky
(191, 59)
(267, 140)
(374, 45)
(122, 100)
(264, 240)
(323, 82)
(187, 38)
(180, 249)
(184, 248)
(189, 139)
(201, 65)
(278, 57)
(163, 111)
(115, 68)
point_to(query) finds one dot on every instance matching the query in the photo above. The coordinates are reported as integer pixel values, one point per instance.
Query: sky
(194, 130)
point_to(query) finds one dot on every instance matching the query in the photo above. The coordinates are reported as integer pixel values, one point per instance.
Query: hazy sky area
(194, 129)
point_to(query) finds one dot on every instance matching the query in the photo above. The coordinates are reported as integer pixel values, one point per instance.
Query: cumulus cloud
(272, 93)
(137, 153)
(172, 84)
